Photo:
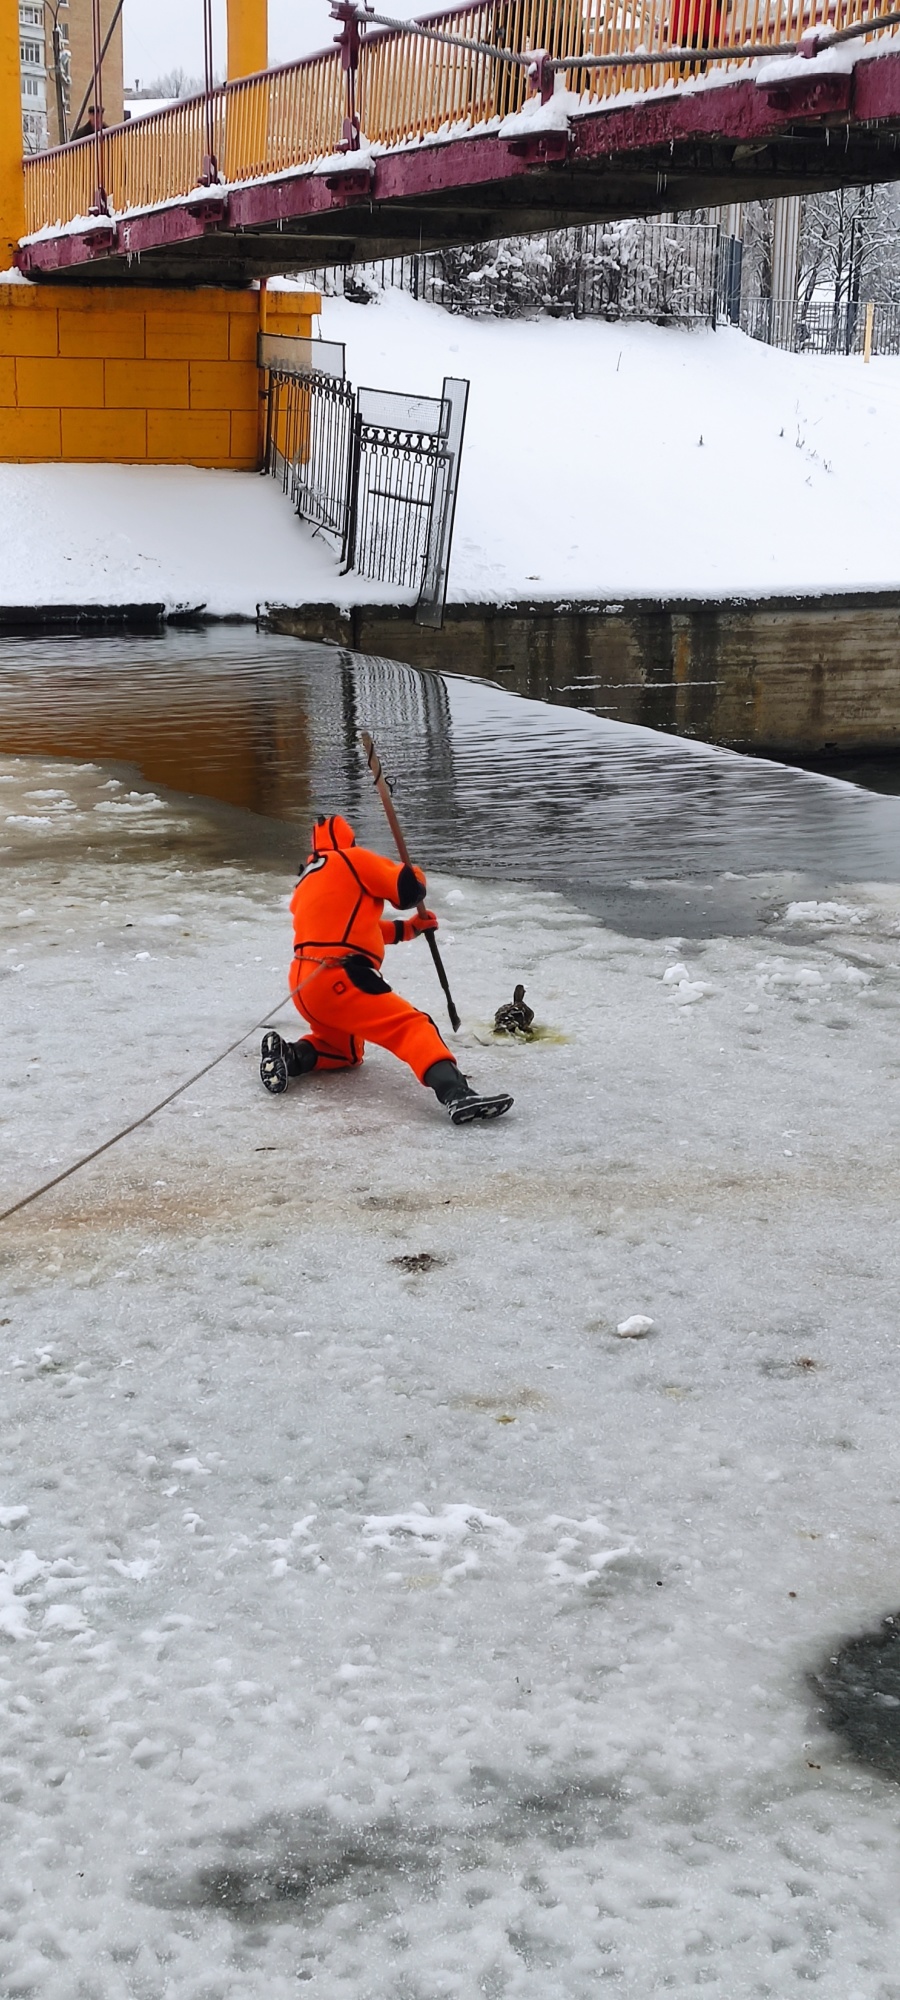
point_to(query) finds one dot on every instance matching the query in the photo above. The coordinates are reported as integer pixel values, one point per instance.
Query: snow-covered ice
(595, 465)
(371, 1615)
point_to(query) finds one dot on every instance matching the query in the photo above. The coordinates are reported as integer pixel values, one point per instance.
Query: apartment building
(57, 55)
(33, 54)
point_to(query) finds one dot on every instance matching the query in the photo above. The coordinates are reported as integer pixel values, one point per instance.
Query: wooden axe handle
(383, 790)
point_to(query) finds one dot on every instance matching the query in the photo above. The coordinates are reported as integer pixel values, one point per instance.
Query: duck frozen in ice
(514, 1018)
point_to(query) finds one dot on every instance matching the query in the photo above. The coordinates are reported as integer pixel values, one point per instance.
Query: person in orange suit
(340, 935)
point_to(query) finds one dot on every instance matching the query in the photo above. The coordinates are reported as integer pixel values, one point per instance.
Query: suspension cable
(210, 164)
(100, 204)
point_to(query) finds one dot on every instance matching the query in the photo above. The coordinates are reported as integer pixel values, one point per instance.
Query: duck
(514, 1018)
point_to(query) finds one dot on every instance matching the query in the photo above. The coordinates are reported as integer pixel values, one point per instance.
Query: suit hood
(330, 833)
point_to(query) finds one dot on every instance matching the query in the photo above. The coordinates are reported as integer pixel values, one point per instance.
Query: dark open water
(651, 831)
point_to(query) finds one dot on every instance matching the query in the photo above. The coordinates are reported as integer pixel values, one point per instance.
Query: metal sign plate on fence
(298, 355)
(385, 409)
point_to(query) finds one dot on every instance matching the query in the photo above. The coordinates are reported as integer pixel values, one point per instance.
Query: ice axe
(384, 792)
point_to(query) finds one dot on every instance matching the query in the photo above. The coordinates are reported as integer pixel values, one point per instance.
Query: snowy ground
(399, 1629)
(600, 461)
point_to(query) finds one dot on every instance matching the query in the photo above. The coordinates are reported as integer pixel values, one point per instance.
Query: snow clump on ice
(635, 1327)
(686, 989)
(823, 913)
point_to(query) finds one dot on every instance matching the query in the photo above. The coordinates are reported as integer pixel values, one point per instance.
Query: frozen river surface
(374, 1620)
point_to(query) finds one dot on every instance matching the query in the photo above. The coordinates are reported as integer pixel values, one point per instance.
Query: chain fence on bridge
(374, 469)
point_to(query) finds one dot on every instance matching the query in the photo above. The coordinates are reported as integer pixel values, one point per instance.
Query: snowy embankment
(371, 1614)
(600, 461)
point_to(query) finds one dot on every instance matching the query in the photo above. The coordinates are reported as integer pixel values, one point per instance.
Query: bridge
(502, 117)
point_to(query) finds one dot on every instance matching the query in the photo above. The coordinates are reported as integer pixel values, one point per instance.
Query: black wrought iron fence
(821, 327)
(663, 271)
(667, 272)
(376, 470)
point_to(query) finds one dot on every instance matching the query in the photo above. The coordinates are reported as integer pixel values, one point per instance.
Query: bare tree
(174, 83)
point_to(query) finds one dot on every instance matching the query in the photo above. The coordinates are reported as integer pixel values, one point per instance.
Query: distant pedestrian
(92, 123)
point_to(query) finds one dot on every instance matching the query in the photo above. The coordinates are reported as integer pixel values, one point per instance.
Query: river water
(655, 833)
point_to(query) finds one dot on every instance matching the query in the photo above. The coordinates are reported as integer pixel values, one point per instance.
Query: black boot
(280, 1059)
(455, 1092)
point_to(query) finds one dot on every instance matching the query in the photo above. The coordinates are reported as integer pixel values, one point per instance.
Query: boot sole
(273, 1074)
(483, 1108)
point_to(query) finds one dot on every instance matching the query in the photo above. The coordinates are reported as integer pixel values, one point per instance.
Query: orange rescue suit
(339, 941)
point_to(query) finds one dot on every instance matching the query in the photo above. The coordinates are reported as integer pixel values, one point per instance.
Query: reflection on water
(487, 783)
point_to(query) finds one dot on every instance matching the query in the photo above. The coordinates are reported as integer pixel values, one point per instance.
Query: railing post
(348, 42)
(541, 75)
(348, 549)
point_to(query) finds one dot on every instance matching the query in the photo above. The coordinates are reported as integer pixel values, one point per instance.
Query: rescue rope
(145, 1117)
(179, 1091)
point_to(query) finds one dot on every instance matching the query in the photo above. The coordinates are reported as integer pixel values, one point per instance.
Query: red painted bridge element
(783, 124)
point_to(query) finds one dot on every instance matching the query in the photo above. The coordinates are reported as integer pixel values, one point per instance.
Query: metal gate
(377, 470)
(309, 427)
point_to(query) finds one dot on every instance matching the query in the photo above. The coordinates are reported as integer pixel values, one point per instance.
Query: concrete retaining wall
(788, 676)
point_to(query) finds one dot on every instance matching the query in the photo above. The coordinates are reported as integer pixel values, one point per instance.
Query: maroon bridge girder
(627, 159)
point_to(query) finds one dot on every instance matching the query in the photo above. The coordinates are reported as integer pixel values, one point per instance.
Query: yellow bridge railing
(408, 86)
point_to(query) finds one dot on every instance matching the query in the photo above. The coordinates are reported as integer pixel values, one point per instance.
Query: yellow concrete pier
(121, 377)
(12, 180)
(124, 374)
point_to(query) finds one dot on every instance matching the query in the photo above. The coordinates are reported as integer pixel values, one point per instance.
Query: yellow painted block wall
(154, 377)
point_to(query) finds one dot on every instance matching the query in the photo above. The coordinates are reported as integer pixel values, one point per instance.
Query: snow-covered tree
(849, 247)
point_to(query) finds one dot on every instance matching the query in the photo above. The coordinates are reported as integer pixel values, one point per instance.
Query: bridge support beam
(12, 179)
(248, 37)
